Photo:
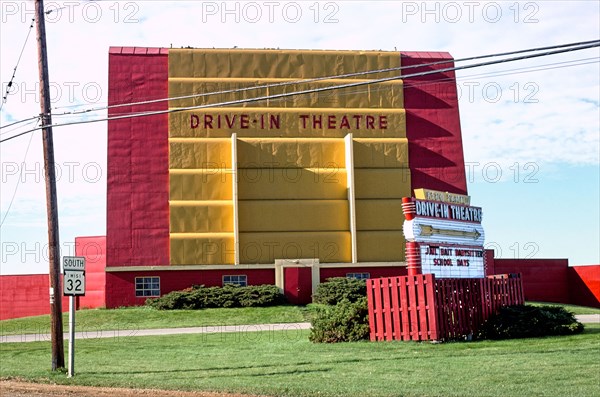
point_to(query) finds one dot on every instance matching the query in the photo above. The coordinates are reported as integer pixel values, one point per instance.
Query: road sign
(74, 283)
(73, 263)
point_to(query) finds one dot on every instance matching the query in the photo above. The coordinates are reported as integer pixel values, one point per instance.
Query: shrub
(337, 289)
(345, 322)
(171, 301)
(200, 297)
(526, 321)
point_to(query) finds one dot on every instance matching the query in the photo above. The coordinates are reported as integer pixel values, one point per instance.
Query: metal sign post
(71, 364)
(73, 285)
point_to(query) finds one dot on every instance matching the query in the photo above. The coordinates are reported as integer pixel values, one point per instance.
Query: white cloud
(560, 128)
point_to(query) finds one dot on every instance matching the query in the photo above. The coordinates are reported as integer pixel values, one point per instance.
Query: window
(147, 286)
(359, 276)
(240, 280)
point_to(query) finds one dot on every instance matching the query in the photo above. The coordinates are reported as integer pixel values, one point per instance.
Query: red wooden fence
(419, 307)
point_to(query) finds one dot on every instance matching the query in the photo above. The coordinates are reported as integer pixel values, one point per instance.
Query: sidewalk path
(214, 329)
(122, 333)
(588, 318)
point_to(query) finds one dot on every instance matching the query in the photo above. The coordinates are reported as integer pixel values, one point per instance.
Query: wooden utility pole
(56, 331)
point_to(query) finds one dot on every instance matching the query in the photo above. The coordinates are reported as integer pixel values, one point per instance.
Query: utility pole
(56, 331)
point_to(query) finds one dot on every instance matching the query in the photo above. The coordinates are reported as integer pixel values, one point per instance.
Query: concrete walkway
(588, 318)
(214, 329)
(123, 333)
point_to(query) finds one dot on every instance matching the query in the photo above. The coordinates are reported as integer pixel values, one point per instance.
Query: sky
(530, 128)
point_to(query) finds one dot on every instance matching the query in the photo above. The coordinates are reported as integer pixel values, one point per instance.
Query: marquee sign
(452, 261)
(444, 238)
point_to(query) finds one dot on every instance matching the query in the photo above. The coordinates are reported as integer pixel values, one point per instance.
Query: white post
(351, 195)
(234, 192)
(71, 370)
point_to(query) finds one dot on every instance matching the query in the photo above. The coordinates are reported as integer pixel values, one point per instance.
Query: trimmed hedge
(526, 321)
(201, 297)
(342, 313)
(337, 289)
(345, 322)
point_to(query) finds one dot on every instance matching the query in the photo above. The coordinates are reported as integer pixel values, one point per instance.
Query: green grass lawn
(148, 318)
(286, 364)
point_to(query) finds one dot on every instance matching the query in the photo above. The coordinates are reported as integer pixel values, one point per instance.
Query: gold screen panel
(382, 183)
(266, 247)
(291, 166)
(236, 63)
(201, 217)
(380, 246)
(210, 184)
(292, 184)
(203, 249)
(380, 95)
(291, 153)
(379, 215)
(199, 153)
(381, 153)
(293, 215)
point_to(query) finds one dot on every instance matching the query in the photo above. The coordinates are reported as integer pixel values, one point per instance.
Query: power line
(507, 72)
(528, 69)
(4, 98)
(17, 122)
(592, 44)
(341, 76)
(322, 78)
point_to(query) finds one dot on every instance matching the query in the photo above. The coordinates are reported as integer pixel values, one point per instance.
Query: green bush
(345, 322)
(201, 297)
(526, 321)
(337, 289)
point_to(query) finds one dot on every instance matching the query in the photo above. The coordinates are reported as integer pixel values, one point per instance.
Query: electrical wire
(17, 122)
(5, 97)
(341, 76)
(272, 85)
(529, 69)
(407, 85)
(592, 44)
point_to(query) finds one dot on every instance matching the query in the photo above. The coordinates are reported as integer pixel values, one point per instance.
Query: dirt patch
(15, 388)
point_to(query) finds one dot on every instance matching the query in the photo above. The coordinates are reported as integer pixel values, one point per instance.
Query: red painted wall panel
(137, 224)
(544, 280)
(374, 272)
(94, 251)
(435, 149)
(490, 267)
(120, 286)
(584, 285)
(26, 295)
